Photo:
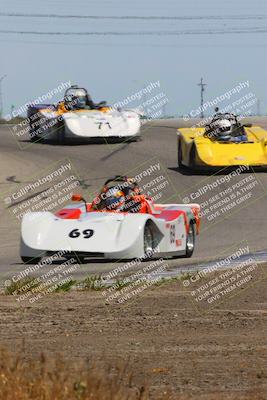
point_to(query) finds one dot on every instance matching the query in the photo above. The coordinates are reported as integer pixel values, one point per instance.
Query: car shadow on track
(86, 261)
(215, 171)
(76, 142)
(97, 260)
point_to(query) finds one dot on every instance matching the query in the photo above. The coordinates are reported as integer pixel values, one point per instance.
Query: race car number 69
(87, 233)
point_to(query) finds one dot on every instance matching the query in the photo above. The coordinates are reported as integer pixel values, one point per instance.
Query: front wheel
(193, 157)
(133, 139)
(61, 135)
(190, 240)
(180, 155)
(33, 136)
(148, 241)
(179, 151)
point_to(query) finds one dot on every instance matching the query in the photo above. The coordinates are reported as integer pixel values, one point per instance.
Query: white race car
(78, 117)
(120, 223)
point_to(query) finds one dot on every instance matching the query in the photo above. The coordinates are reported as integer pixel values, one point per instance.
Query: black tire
(36, 139)
(33, 137)
(192, 157)
(61, 135)
(133, 139)
(148, 241)
(190, 240)
(30, 260)
(34, 124)
(180, 155)
(80, 260)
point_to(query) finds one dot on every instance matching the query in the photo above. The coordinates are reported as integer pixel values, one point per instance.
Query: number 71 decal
(103, 123)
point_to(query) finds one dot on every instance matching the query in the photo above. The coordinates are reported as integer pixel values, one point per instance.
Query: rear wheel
(32, 132)
(148, 241)
(36, 139)
(30, 260)
(36, 127)
(33, 137)
(190, 240)
(133, 139)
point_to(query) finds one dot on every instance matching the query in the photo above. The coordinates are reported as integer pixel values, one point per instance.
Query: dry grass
(58, 379)
(46, 379)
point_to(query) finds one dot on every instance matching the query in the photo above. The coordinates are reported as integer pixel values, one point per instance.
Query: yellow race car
(223, 142)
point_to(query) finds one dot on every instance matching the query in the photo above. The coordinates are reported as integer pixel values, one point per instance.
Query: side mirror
(77, 197)
(247, 125)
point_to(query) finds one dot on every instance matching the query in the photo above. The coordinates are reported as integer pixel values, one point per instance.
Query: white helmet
(222, 126)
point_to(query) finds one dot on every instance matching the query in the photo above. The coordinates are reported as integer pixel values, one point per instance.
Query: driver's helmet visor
(225, 128)
(76, 92)
(81, 101)
(78, 96)
(222, 126)
(114, 200)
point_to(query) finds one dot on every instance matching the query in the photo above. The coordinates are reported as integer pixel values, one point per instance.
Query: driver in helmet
(114, 200)
(221, 129)
(226, 128)
(77, 98)
(124, 197)
(77, 101)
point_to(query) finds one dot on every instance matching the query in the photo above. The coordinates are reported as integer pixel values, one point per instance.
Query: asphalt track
(20, 160)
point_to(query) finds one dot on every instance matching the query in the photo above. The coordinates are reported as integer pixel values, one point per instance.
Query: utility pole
(1, 96)
(12, 108)
(202, 89)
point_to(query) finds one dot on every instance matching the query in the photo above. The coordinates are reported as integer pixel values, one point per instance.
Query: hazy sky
(223, 41)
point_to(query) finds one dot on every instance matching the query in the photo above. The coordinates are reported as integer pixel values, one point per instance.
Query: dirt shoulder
(168, 342)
